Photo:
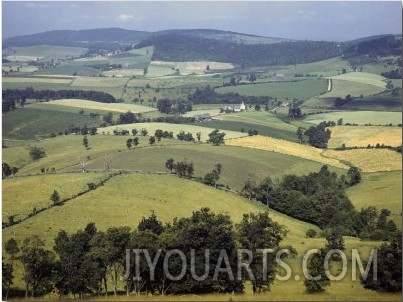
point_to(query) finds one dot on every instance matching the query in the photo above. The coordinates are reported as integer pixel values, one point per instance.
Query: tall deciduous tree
(259, 231)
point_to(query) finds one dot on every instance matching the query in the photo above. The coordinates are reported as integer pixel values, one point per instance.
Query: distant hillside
(79, 38)
(84, 38)
(383, 45)
(182, 47)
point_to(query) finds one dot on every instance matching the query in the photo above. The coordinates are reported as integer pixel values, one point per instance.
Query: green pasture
(30, 123)
(20, 201)
(54, 107)
(45, 51)
(237, 162)
(379, 102)
(301, 89)
(358, 117)
(362, 77)
(382, 190)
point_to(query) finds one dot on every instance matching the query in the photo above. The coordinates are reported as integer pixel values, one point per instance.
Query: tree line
(86, 262)
(11, 96)
(320, 198)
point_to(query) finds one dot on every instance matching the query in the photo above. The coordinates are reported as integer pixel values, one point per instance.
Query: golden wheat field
(362, 136)
(285, 147)
(369, 160)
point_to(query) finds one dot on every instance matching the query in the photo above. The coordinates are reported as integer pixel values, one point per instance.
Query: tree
(311, 233)
(216, 137)
(77, 271)
(159, 134)
(152, 140)
(257, 107)
(252, 77)
(249, 188)
(144, 132)
(85, 142)
(6, 170)
(38, 265)
(317, 280)
(7, 277)
(212, 177)
(300, 134)
(198, 136)
(134, 131)
(169, 164)
(108, 118)
(355, 176)
(129, 143)
(259, 231)
(36, 153)
(340, 122)
(135, 141)
(264, 189)
(152, 224)
(389, 267)
(11, 248)
(55, 197)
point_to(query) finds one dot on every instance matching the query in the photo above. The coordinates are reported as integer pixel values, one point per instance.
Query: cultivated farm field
(362, 136)
(285, 147)
(114, 107)
(369, 160)
(300, 89)
(358, 117)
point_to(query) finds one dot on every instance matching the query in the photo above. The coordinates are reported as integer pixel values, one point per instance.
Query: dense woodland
(177, 47)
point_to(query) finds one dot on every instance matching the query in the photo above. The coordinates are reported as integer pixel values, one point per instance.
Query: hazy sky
(324, 20)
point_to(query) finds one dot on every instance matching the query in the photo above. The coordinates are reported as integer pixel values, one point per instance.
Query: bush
(36, 153)
(311, 233)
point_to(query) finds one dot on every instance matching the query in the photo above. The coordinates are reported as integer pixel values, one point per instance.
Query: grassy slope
(28, 123)
(126, 201)
(358, 117)
(17, 200)
(299, 89)
(383, 190)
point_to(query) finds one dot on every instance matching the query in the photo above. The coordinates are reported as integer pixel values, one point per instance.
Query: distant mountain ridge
(213, 45)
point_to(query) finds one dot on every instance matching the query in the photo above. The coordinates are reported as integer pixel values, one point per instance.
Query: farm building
(240, 108)
(205, 117)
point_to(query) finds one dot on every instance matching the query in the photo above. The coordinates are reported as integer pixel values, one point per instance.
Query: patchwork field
(302, 89)
(369, 160)
(187, 68)
(358, 117)
(362, 136)
(114, 107)
(285, 147)
(47, 80)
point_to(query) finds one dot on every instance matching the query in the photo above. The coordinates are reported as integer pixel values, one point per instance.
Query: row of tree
(83, 263)
(29, 93)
